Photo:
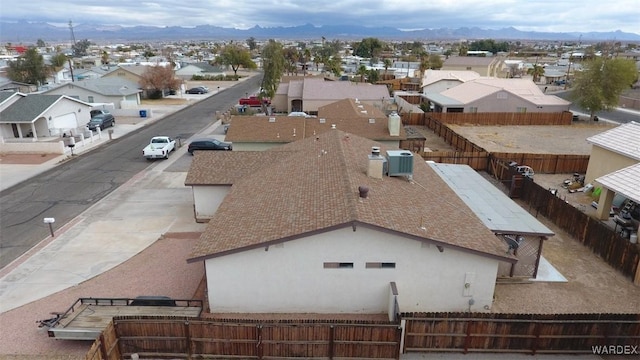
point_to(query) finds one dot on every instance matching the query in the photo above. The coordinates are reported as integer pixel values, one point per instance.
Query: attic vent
(363, 111)
(357, 101)
(333, 126)
(272, 119)
(323, 120)
(372, 121)
(400, 162)
(360, 107)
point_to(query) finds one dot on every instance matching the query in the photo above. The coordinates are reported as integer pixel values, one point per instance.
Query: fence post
(331, 338)
(187, 335)
(259, 344)
(536, 333)
(467, 339)
(103, 347)
(636, 280)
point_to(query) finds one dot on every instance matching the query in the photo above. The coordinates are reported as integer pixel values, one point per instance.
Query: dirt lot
(570, 139)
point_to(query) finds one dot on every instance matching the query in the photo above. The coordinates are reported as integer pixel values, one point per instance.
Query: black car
(101, 121)
(208, 144)
(197, 90)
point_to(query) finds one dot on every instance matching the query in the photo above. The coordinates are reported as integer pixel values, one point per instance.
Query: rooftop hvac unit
(400, 162)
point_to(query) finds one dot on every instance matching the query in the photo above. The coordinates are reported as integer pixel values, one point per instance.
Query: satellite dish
(513, 241)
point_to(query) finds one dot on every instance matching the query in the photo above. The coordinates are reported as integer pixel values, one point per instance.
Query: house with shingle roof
(315, 226)
(615, 154)
(496, 95)
(188, 70)
(102, 90)
(311, 93)
(256, 133)
(38, 115)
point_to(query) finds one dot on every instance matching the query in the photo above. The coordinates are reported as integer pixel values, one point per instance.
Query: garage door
(67, 121)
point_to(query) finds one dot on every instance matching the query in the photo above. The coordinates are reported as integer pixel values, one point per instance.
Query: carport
(523, 234)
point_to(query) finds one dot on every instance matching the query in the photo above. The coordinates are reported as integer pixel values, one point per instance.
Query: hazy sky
(526, 15)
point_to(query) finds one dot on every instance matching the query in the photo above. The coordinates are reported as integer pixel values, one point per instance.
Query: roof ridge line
(347, 181)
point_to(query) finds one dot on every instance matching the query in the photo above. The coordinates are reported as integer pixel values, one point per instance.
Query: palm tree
(387, 64)
(536, 71)
(362, 71)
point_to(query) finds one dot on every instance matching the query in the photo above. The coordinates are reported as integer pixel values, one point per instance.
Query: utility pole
(73, 39)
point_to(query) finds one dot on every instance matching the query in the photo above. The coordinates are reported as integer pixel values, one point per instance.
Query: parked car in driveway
(198, 90)
(208, 144)
(101, 121)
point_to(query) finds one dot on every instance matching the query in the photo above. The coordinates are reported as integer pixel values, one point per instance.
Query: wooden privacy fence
(518, 333)
(617, 251)
(489, 119)
(188, 338)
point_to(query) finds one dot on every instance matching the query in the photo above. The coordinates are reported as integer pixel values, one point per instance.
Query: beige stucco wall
(603, 161)
(84, 95)
(511, 104)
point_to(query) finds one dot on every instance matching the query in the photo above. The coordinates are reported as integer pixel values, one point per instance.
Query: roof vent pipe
(363, 191)
(333, 126)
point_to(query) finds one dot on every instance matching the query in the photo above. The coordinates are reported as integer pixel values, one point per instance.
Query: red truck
(254, 101)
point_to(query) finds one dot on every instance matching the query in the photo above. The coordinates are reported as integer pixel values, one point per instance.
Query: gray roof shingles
(28, 108)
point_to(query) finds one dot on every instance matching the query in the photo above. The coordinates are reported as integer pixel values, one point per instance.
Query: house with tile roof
(437, 81)
(122, 93)
(615, 154)
(491, 66)
(315, 226)
(311, 93)
(257, 133)
(496, 95)
(38, 115)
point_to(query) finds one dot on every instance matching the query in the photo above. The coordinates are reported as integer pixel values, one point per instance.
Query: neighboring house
(38, 115)
(623, 182)
(314, 226)
(95, 72)
(485, 66)
(497, 95)
(131, 73)
(612, 150)
(257, 133)
(60, 76)
(309, 94)
(437, 81)
(103, 90)
(187, 71)
(16, 86)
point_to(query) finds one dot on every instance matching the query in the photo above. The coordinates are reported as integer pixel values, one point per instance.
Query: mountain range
(28, 32)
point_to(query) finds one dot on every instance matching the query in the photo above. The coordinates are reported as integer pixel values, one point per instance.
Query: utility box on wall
(400, 162)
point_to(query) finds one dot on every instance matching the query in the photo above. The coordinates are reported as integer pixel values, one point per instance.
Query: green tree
(58, 60)
(252, 44)
(600, 84)
(148, 54)
(40, 43)
(387, 64)
(368, 48)
(334, 65)
(29, 68)
(80, 48)
(235, 56)
(373, 76)
(291, 57)
(273, 64)
(536, 71)
(362, 71)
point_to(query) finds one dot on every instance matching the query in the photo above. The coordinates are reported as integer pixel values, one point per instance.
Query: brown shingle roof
(226, 167)
(315, 189)
(356, 118)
